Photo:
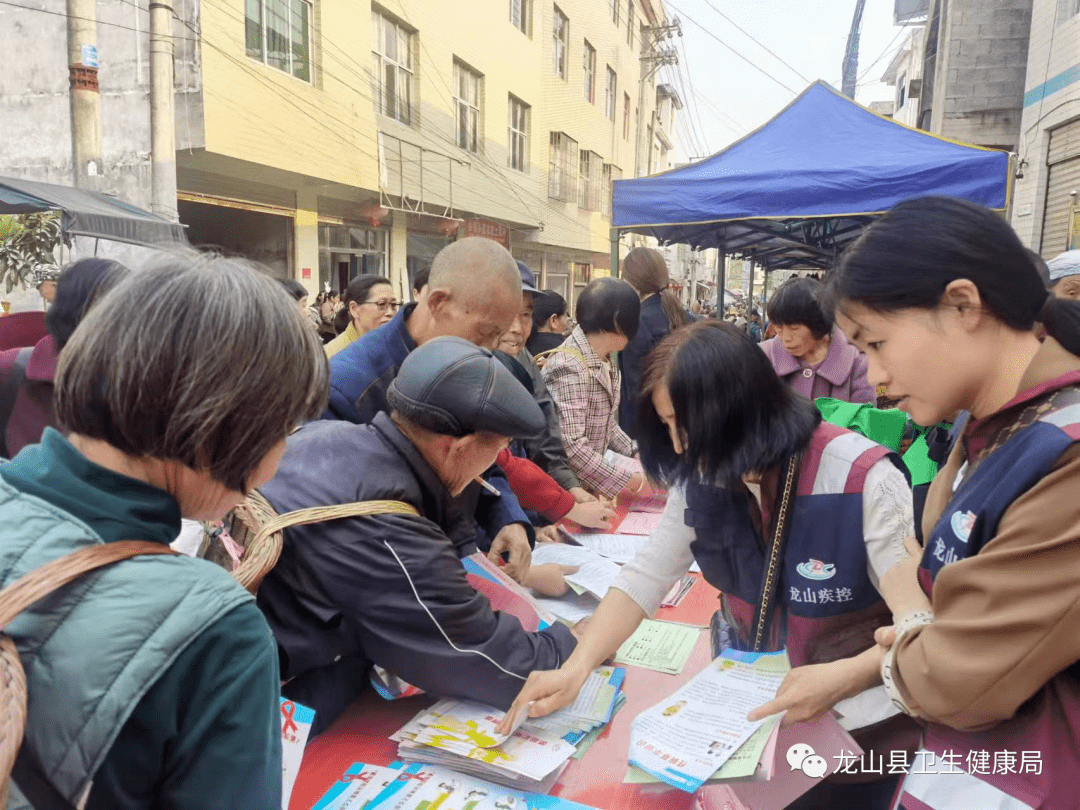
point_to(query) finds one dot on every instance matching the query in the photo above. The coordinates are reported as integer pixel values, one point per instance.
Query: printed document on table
(620, 548)
(595, 574)
(663, 646)
(688, 736)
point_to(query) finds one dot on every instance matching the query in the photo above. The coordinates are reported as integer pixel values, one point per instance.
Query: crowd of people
(480, 414)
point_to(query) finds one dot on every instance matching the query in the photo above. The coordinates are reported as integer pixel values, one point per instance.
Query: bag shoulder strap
(564, 350)
(39, 583)
(320, 514)
(31, 587)
(9, 392)
(776, 551)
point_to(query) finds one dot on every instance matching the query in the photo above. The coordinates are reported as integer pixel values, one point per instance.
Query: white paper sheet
(619, 548)
(686, 737)
(595, 573)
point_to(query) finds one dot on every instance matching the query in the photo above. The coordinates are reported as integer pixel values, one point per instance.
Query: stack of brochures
(424, 787)
(461, 735)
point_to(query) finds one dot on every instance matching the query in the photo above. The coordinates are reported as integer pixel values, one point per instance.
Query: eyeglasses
(384, 306)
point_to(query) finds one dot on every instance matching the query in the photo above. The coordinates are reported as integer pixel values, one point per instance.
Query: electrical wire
(881, 55)
(748, 61)
(758, 41)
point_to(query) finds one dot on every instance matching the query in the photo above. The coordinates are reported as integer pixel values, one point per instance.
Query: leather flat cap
(455, 388)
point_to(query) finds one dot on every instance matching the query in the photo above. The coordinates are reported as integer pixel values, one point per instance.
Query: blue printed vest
(1020, 454)
(825, 606)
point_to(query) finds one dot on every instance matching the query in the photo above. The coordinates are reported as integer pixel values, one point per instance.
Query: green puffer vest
(84, 678)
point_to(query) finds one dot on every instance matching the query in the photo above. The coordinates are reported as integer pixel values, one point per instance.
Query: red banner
(489, 230)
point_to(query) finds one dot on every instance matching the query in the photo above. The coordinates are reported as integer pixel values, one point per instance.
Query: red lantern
(373, 212)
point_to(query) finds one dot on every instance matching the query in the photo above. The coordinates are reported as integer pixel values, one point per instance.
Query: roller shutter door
(1063, 159)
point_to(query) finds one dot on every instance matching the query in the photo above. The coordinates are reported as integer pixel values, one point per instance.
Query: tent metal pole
(750, 293)
(721, 280)
(615, 233)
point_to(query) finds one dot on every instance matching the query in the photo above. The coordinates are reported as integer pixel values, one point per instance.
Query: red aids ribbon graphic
(288, 708)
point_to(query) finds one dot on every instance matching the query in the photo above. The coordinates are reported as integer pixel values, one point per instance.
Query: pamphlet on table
(296, 723)
(687, 737)
(427, 787)
(461, 734)
(662, 646)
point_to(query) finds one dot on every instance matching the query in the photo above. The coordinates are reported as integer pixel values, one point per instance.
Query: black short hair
(734, 413)
(906, 259)
(297, 290)
(546, 305)
(79, 286)
(609, 305)
(797, 301)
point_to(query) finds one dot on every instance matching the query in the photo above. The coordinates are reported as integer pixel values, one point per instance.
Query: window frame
(611, 92)
(589, 66)
(263, 54)
(381, 19)
(630, 23)
(517, 136)
(590, 180)
(610, 174)
(626, 116)
(614, 8)
(525, 26)
(470, 109)
(562, 167)
(560, 35)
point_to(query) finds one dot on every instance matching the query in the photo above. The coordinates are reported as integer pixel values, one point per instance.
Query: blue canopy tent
(795, 192)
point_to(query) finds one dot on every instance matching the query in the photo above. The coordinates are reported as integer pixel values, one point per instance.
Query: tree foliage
(27, 243)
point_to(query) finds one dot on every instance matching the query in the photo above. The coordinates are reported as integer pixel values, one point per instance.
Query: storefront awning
(89, 213)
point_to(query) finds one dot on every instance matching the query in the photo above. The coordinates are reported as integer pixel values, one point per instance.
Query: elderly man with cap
(389, 589)
(1065, 274)
(473, 293)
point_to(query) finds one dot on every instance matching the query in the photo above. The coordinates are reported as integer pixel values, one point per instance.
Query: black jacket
(653, 326)
(543, 341)
(547, 451)
(341, 596)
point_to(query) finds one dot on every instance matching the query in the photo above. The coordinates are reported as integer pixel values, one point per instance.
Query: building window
(562, 167)
(590, 73)
(609, 95)
(625, 115)
(630, 23)
(901, 91)
(518, 134)
(521, 15)
(591, 173)
(615, 11)
(278, 33)
(611, 174)
(392, 53)
(1067, 9)
(560, 34)
(467, 105)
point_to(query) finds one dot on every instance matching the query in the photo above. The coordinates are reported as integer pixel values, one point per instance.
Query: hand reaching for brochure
(513, 540)
(544, 693)
(592, 515)
(549, 579)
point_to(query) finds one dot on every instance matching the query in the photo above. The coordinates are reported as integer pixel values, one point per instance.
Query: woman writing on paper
(737, 448)
(942, 297)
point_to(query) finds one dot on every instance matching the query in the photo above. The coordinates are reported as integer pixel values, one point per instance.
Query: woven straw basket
(16, 598)
(256, 527)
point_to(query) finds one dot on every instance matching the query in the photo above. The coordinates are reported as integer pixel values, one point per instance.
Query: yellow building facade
(329, 139)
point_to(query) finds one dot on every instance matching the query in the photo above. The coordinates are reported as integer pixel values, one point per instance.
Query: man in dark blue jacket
(474, 292)
(389, 589)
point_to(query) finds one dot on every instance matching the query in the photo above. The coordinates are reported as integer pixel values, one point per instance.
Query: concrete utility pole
(85, 96)
(162, 122)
